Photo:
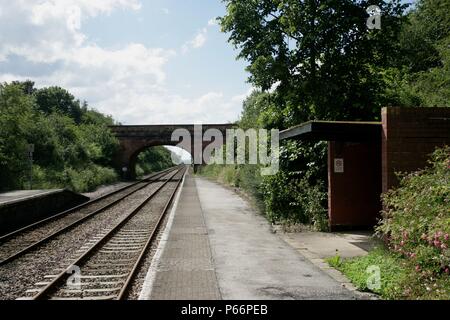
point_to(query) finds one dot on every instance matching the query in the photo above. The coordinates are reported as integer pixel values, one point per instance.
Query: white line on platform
(149, 280)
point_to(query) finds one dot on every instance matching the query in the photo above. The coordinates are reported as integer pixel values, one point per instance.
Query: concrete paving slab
(251, 262)
(325, 245)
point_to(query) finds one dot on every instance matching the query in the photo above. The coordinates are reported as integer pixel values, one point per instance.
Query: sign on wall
(338, 165)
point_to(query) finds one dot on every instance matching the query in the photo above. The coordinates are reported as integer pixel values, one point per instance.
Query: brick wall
(409, 136)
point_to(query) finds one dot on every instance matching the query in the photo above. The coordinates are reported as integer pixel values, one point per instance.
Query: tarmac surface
(218, 247)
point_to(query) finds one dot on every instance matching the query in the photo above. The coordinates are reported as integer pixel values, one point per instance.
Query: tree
(319, 55)
(253, 107)
(421, 36)
(66, 154)
(17, 114)
(154, 159)
(27, 86)
(422, 75)
(56, 99)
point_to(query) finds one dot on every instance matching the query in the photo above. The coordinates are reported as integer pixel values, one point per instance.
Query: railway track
(29, 238)
(105, 266)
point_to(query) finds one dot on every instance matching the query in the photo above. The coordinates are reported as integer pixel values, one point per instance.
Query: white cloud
(128, 82)
(197, 42)
(165, 10)
(46, 29)
(212, 22)
(241, 97)
(199, 39)
(163, 107)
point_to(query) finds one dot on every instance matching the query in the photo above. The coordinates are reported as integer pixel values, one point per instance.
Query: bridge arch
(133, 160)
(134, 139)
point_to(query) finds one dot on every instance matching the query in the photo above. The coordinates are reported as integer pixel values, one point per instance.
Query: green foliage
(17, 114)
(298, 192)
(73, 144)
(335, 262)
(65, 153)
(423, 65)
(320, 62)
(56, 99)
(88, 178)
(393, 272)
(432, 87)
(426, 28)
(416, 221)
(416, 228)
(245, 177)
(77, 179)
(100, 145)
(153, 159)
(320, 56)
(399, 280)
(254, 106)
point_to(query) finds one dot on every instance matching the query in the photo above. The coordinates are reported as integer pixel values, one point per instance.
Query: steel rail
(66, 228)
(133, 271)
(53, 285)
(10, 235)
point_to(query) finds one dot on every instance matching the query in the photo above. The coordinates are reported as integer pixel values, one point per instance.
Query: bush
(73, 146)
(416, 219)
(153, 160)
(294, 200)
(298, 192)
(76, 179)
(398, 279)
(89, 178)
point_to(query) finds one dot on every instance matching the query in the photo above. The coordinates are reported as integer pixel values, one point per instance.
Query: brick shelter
(363, 157)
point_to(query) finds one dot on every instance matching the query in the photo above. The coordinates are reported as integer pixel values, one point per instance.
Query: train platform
(217, 247)
(23, 207)
(184, 267)
(21, 195)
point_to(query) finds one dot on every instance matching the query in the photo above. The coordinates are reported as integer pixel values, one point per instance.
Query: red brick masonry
(409, 136)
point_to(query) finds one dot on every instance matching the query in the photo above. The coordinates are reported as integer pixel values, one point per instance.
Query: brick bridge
(135, 139)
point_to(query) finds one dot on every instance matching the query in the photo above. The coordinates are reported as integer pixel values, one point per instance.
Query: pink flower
(444, 246)
(446, 237)
(437, 243)
(417, 268)
(447, 270)
(413, 255)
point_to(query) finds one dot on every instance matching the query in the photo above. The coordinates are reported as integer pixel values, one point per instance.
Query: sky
(141, 61)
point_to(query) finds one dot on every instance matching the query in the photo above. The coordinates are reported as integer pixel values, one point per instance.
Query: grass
(224, 174)
(398, 279)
